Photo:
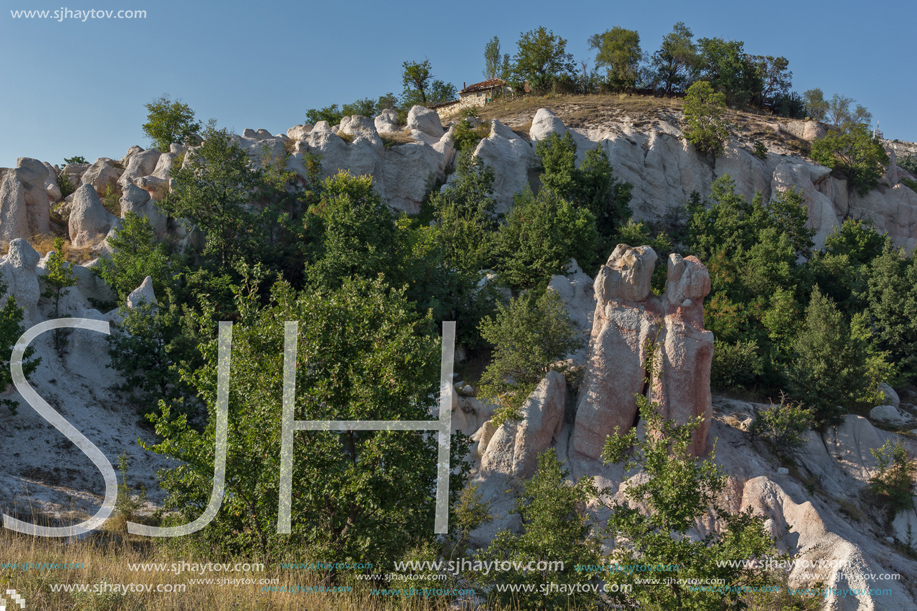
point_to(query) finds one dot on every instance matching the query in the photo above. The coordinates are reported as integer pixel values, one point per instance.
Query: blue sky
(79, 88)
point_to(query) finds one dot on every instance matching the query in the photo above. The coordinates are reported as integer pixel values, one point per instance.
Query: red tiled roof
(483, 85)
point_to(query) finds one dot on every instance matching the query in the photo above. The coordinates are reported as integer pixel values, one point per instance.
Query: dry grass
(44, 243)
(396, 138)
(104, 558)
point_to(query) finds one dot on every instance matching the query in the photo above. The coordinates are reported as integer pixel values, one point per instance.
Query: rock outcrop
(628, 326)
(89, 220)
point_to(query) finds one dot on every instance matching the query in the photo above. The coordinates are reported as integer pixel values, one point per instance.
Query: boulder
(386, 122)
(509, 454)
(425, 121)
(544, 124)
(513, 162)
(626, 275)
(889, 395)
(683, 388)
(142, 294)
(890, 414)
(138, 201)
(139, 165)
(102, 175)
(299, 132)
(803, 176)
(74, 173)
(25, 198)
(130, 153)
(89, 220)
(18, 270)
(362, 129)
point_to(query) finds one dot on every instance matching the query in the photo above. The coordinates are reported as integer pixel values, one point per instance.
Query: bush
(895, 475)
(541, 235)
(832, 364)
(782, 426)
(170, 122)
(66, 187)
(760, 151)
(11, 329)
(651, 526)
(706, 128)
(735, 366)
(854, 152)
(529, 337)
(57, 283)
(136, 254)
(555, 527)
(590, 186)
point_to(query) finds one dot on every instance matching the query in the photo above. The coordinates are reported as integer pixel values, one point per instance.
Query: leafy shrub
(706, 129)
(854, 152)
(895, 475)
(760, 151)
(170, 122)
(529, 337)
(735, 366)
(66, 187)
(57, 283)
(136, 254)
(651, 527)
(76, 159)
(590, 186)
(11, 329)
(542, 233)
(555, 527)
(782, 426)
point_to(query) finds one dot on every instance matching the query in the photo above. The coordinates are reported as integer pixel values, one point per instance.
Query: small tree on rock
(707, 129)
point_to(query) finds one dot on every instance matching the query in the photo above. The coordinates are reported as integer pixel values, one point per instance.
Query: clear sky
(79, 88)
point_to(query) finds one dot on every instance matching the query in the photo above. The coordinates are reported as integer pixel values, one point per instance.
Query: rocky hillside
(820, 499)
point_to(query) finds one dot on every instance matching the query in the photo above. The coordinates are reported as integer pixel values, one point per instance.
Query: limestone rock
(513, 161)
(102, 175)
(130, 153)
(626, 275)
(142, 294)
(891, 397)
(426, 121)
(89, 220)
(890, 414)
(362, 128)
(74, 173)
(18, 270)
(138, 201)
(386, 122)
(544, 124)
(299, 132)
(139, 165)
(25, 198)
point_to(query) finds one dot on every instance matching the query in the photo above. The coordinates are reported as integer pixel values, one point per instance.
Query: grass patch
(395, 138)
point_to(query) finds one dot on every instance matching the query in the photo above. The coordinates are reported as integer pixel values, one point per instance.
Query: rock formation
(628, 324)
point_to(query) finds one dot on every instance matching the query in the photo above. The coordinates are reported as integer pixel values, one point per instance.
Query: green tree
(541, 57)
(530, 337)
(332, 114)
(729, 70)
(11, 329)
(492, 59)
(136, 254)
(854, 152)
(555, 528)
(831, 369)
(542, 233)
(782, 427)
(465, 215)
(213, 191)
(618, 50)
(677, 490)
(707, 128)
(362, 354)
(170, 122)
(775, 76)
(839, 109)
(676, 61)
(895, 475)
(356, 232)
(890, 295)
(591, 186)
(57, 283)
(816, 104)
(421, 87)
